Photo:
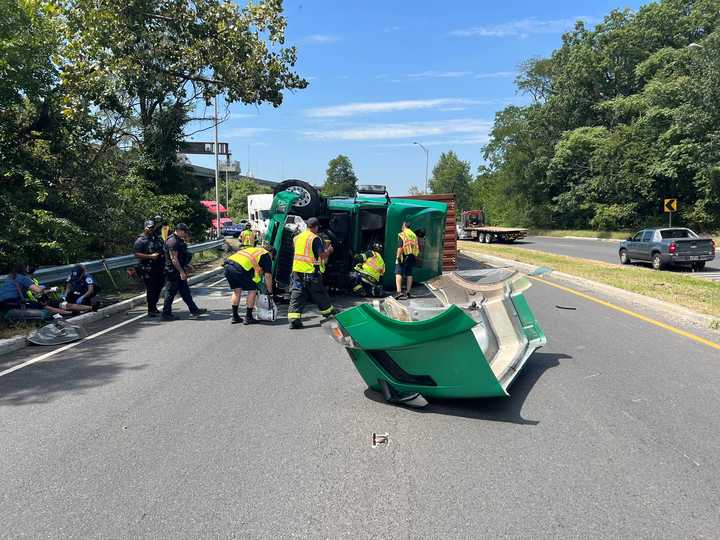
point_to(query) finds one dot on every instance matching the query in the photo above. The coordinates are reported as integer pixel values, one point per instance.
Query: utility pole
(217, 173)
(427, 163)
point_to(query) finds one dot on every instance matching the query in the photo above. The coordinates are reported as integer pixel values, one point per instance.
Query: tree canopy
(95, 98)
(451, 175)
(341, 179)
(621, 116)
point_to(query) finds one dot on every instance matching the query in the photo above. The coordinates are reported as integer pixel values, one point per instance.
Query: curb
(597, 239)
(673, 310)
(20, 342)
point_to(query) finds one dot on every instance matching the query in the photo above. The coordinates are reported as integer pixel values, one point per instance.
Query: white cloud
(238, 116)
(476, 129)
(432, 74)
(496, 75)
(353, 109)
(320, 38)
(521, 28)
(243, 132)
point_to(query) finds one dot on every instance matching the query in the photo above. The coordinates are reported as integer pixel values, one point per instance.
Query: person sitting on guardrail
(177, 266)
(81, 288)
(13, 292)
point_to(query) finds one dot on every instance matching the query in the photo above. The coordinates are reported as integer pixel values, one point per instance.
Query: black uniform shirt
(149, 245)
(177, 244)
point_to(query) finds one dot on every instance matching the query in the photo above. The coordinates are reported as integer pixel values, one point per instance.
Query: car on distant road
(233, 229)
(664, 247)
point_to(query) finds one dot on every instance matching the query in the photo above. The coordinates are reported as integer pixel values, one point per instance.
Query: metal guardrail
(61, 273)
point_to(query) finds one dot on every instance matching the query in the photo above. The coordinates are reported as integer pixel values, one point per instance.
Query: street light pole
(217, 174)
(427, 163)
(227, 184)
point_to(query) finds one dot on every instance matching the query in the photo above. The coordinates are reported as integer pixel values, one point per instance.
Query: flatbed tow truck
(472, 227)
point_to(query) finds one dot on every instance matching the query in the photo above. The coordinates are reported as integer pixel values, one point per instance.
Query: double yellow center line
(664, 326)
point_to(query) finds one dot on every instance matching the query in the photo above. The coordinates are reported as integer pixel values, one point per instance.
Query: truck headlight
(338, 334)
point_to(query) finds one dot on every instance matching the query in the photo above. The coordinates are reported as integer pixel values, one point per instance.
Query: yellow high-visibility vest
(247, 238)
(409, 243)
(249, 259)
(374, 266)
(304, 261)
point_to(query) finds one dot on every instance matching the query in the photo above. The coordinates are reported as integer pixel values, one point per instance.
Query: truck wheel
(657, 263)
(699, 266)
(624, 258)
(490, 238)
(309, 204)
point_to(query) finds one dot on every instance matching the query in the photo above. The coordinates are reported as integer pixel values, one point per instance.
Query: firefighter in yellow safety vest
(245, 270)
(247, 237)
(369, 272)
(407, 252)
(309, 260)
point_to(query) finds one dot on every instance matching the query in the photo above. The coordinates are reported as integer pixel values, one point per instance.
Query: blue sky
(385, 74)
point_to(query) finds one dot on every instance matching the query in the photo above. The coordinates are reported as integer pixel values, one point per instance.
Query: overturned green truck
(353, 225)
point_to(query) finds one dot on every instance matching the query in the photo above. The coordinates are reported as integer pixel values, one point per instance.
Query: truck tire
(657, 263)
(624, 257)
(699, 266)
(310, 202)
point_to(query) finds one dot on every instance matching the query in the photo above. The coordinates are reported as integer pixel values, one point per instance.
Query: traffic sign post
(669, 207)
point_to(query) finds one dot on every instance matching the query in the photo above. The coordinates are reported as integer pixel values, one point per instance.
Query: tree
(414, 190)
(623, 115)
(451, 175)
(94, 99)
(239, 192)
(341, 179)
(145, 63)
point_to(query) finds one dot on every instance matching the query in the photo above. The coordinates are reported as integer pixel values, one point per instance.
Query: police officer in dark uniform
(177, 265)
(150, 252)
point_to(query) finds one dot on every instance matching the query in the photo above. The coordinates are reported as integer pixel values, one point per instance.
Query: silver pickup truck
(667, 247)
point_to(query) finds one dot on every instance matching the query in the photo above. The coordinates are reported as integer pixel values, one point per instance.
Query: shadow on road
(79, 369)
(507, 409)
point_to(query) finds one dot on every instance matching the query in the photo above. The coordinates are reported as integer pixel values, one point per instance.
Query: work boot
(196, 314)
(249, 319)
(296, 324)
(153, 313)
(236, 320)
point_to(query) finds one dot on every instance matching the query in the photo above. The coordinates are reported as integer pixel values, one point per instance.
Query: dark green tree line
(622, 116)
(95, 98)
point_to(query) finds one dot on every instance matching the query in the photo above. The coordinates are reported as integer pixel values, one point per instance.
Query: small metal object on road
(566, 307)
(380, 439)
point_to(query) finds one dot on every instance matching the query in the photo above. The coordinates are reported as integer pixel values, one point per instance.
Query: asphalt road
(598, 250)
(197, 429)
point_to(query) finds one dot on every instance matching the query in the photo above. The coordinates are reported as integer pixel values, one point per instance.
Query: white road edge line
(88, 338)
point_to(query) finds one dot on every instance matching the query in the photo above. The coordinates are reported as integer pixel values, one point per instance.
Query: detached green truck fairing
(468, 338)
(353, 225)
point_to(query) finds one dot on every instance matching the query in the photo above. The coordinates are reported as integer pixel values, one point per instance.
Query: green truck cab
(353, 225)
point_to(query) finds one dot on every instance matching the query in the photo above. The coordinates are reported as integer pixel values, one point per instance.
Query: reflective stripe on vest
(374, 266)
(409, 243)
(247, 238)
(249, 259)
(304, 261)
